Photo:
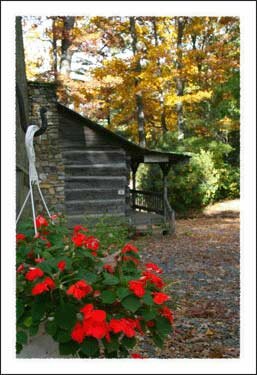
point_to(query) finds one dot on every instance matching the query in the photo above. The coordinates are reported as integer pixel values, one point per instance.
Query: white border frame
(246, 10)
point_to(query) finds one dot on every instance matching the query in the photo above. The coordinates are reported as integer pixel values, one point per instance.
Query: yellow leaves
(209, 332)
(196, 97)
(112, 80)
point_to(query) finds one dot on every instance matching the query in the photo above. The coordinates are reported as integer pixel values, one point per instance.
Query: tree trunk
(65, 62)
(163, 112)
(179, 79)
(139, 97)
(55, 55)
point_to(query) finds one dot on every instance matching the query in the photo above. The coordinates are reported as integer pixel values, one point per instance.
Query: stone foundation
(49, 160)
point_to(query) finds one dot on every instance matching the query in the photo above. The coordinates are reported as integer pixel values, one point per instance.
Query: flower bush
(95, 302)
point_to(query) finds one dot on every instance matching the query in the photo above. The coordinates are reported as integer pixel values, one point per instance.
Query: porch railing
(147, 200)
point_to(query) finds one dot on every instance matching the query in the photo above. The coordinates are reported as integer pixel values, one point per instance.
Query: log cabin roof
(137, 153)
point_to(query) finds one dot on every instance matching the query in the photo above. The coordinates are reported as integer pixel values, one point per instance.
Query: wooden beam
(156, 159)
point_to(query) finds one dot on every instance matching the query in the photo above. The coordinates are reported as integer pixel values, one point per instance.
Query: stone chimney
(49, 159)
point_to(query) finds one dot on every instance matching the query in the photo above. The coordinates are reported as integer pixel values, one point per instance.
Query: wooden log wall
(96, 174)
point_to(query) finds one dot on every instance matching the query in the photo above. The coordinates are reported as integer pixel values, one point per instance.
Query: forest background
(167, 83)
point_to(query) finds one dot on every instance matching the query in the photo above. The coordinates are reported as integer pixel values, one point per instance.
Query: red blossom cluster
(138, 286)
(20, 237)
(94, 324)
(109, 268)
(98, 323)
(167, 313)
(80, 289)
(81, 240)
(44, 286)
(33, 274)
(41, 222)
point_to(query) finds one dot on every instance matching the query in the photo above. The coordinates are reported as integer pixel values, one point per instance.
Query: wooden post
(165, 167)
(134, 165)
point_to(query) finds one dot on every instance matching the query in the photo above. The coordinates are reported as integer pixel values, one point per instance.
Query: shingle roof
(137, 152)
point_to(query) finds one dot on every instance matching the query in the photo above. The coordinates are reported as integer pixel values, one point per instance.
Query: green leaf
(110, 279)
(62, 336)
(21, 337)
(46, 267)
(68, 348)
(148, 314)
(65, 316)
(131, 303)
(158, 341)
(113, 345)
(112, 354)
(38, 311)
(122, 292)
(28, 321)
(90, 277)
(108, 297)
(148, 299)
(129, 342)
(18, 348)
(33, 329)
(19, 309)
(89, 346)
(162, 326)
(51, 327)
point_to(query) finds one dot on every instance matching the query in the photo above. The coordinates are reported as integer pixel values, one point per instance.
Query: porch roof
(138, 154)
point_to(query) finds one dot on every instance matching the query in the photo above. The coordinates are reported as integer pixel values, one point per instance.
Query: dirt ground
(202, 262)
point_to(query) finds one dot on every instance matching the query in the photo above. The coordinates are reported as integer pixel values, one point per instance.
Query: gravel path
(202, 261)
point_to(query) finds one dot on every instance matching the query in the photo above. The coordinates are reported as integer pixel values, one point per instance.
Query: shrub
(94, 304)
(229, 183)
(192, 185)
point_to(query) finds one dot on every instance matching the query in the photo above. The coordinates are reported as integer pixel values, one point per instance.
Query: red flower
(129, 247)
(150, 323)
(80, 289)
(109, 268)
(79, 239)
(127, 326)
(87, 310)
(137, 287)
(31, 254)
(49, 282)
(96, 293)
(39, 288)
(78, 334)
(167, 313)
(160, 298)
(54, 217)
(153, 267)
(77, 228)
(96, 329)
(157, 281)
(44, 286)
(41, 222)
(94, 323)
(39, 260)
(33, 274)
(92, 243)
(20, 268)
(20, 237)
(61, 265)
(136, 355)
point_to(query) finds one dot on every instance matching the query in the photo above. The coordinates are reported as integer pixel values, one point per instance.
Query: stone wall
(49, 160)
